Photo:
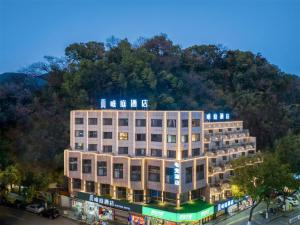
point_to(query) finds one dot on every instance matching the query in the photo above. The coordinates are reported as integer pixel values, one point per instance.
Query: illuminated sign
(123, 104)
(217, 116)
(225, 205)
(177, 173)
(110, 202)
(178, 217)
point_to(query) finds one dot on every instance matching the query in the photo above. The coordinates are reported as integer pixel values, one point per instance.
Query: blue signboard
(124, 103)
(217, 116)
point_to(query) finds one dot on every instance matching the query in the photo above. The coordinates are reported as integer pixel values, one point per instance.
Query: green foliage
(10, 176)
(288, 151)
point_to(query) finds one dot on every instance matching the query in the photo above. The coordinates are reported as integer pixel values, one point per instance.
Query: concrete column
(177, 200)
(190, 195)
(130, 195)
(162, 197)
(98, 188)
(114, 190)
(83, 186)
(145, 196)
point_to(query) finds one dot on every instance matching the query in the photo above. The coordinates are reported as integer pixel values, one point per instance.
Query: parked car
(51, 213)
(35, 208)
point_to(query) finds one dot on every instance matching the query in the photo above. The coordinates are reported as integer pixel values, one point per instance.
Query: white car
(292, 201)
(35, 208)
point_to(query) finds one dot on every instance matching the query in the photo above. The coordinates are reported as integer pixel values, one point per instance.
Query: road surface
(12, 216)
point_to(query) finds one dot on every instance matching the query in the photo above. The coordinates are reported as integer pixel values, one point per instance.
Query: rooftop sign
(217, 116)
(124, 103)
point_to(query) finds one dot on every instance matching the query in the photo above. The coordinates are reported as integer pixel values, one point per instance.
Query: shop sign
(177, 217)
(177, 173)
(217, 116)
(110, 202)
(225, 205)
(123, 103)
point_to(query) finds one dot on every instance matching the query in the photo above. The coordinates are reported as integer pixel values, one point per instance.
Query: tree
(10, 176)
(288, 151)
(260, 177)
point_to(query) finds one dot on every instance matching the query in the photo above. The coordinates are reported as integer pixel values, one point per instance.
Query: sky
(31, 29)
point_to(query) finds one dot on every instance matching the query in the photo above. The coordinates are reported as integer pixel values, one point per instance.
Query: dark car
(51, 213)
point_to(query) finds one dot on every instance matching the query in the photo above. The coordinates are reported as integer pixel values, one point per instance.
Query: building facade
(171, 157)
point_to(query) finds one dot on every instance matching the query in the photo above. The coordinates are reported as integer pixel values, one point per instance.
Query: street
(12, 216)
(257, 219)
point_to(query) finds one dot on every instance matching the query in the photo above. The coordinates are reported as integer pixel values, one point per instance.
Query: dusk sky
(31, 29)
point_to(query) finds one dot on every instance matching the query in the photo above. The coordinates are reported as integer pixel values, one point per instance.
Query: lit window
(171, 138)
(123, 136)
(184, 138)
(195, 137)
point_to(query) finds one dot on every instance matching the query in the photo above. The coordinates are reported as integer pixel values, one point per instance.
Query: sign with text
(217, 116)
(113, 203)
(124, 103)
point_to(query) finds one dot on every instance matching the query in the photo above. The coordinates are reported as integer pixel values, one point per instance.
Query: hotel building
(136, 164)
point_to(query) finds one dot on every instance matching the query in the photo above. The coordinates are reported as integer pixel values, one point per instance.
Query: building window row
(171, 123)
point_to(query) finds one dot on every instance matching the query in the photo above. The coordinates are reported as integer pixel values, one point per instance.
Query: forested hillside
(34, 119)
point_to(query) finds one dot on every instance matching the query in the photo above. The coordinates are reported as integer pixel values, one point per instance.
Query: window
(243, 153)
(73, 164)
(140, 122)
(76, 183)
(236, 141)
(195, 151)
(234, 155)
(107, 121)
(140, 137)
(90, 186)
(213, 160)
(195, 137)
(229, 129)
(171, 154)
(171, 123)
(105, 189)
(78, 133)
(140, 151)
(156, 137)
(220, 130)
(224, 157)
(226, 142)
(196, 123)
(135, 173)
(118, 171)
(107, 135)
(107, 148)
(184, 154)
(210, 131)
(79, 146)
(123, 150)
(238, 128)
(93, 121)
(123, 122)
(154, 173)
(138, 195)
(171, 138)
(156, 152)
(101, 168)
(184, 123)
(92, 147)
(156, 123)
(93, 134)
(78, 120)
(184, 138)
(170, 175)
(188, 175)
(123, 136)
(221, 176)
(199, 172)
(121, 193)
(86, 166)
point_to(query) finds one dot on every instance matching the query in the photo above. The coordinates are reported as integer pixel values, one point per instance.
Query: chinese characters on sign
(123, 104)
(217, 116)
(177, 173)
(225, 205)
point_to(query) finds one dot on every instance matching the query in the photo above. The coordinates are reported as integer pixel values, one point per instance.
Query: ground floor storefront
(93, 209)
